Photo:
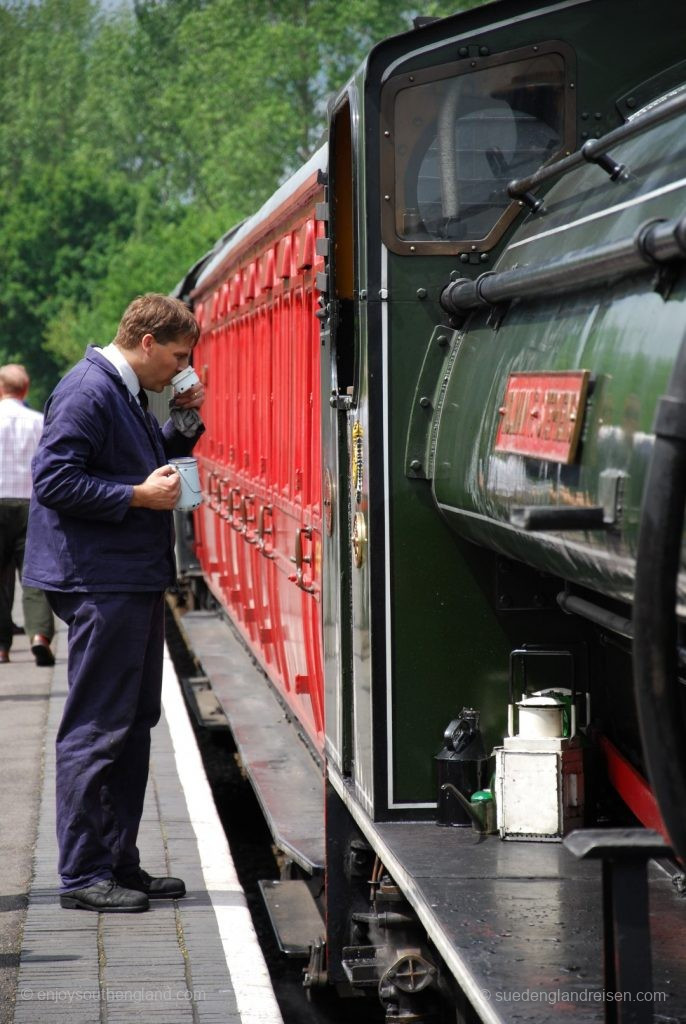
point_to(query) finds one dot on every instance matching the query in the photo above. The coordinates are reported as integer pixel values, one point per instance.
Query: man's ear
(147, 342)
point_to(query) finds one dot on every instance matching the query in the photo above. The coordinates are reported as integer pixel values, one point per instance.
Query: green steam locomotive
(444, 479)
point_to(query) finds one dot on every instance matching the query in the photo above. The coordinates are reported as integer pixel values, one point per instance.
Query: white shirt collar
(121, 364)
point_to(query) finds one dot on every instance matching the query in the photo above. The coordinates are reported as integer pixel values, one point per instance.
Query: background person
(20, 431)
(8, 578)
(100, 541)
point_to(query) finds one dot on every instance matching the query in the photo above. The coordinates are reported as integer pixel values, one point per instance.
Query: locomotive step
(294, 915)
(203, 702)
(286, 778)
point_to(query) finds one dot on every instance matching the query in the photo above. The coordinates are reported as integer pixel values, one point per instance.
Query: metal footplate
(294, 916)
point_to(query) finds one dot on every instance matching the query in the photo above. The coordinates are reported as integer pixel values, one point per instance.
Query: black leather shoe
(40, 648)
(154, 888)
(105, 897)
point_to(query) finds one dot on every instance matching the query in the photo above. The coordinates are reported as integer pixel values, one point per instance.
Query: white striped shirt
(20, 431)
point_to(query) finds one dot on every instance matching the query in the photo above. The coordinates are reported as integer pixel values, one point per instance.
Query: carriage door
(338, 372)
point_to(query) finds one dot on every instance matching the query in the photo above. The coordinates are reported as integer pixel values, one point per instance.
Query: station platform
(194, 960)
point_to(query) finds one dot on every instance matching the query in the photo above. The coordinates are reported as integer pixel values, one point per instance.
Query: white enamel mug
(184, 380)
(191, 495)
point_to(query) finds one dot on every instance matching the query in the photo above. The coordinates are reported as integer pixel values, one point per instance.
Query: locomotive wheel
(659, 701)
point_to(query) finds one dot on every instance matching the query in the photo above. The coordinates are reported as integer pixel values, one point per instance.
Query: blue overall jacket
(97, 443)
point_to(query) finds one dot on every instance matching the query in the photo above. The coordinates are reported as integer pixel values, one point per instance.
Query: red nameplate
(541, 414)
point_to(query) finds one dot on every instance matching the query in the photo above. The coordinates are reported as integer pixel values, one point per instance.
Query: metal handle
(528, 652)
(263, 531)
(213, 490)
(234, 510)
(301, 559)
(248, 500)
(221, 497)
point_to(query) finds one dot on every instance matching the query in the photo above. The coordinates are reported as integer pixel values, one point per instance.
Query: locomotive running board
(292, 798)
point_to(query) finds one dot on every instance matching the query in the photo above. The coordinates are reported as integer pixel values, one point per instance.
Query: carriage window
(459, 139)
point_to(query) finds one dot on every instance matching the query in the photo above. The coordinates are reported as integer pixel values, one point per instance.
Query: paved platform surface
(193, 960)
(24, 694)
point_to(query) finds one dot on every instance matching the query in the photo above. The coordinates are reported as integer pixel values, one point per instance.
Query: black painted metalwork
(461, 769)
(533, 202)
(596, 150)
(521, 922)
(655, 243)
(350, 861)
(574, 605)
(558, 517)
(659, 700)
(627, 957)
(615, 171)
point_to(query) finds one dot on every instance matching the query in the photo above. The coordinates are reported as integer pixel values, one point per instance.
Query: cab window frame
(456, 69)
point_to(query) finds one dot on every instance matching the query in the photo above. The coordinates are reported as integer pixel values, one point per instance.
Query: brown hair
(14, 380)
(160, 315)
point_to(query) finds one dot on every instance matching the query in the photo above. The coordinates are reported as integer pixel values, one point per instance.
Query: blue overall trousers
(116, 645)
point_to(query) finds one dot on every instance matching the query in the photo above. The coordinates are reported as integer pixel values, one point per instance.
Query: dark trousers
(14, 515)
(116, 644)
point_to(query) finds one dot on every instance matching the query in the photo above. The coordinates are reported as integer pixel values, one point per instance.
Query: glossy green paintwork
(449, 650)
(627, 334)
(432, 606)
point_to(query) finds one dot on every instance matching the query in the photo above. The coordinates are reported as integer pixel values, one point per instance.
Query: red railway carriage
(258, 531)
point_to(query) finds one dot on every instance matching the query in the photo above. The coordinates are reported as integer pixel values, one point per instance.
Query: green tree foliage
(131, 138)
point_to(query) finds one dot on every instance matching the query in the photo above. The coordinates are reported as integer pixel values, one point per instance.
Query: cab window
(459, 135)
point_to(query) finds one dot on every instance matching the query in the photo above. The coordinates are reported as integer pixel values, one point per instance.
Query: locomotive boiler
(443, 481)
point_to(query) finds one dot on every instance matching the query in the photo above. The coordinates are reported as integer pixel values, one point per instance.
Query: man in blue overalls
(101, 544)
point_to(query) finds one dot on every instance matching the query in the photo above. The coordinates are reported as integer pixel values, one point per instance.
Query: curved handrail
(595, 151)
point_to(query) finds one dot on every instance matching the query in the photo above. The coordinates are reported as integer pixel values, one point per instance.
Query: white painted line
(249, 975)
(636, 201)
(506, 22)
(387, 532)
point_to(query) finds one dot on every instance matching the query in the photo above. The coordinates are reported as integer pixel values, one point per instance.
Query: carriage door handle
(248, 502)
(300, 559)
(213, 490)
(263, 531)
(234, 510)
(221, 497)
